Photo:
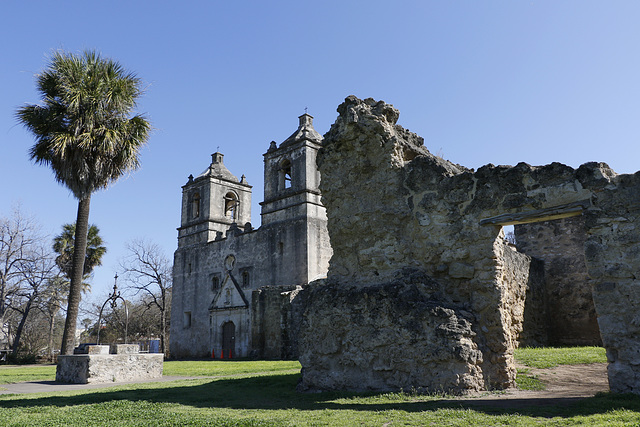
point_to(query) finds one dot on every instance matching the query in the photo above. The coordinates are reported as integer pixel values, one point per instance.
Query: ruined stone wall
(397, 335)
(524, 280)
(391, 205)
(612, 252)
(534, 322)
(571, 315)
(275, 321)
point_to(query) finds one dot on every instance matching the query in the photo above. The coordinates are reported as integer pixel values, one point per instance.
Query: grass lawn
(249, 393)
(20, 373)
(550, 357)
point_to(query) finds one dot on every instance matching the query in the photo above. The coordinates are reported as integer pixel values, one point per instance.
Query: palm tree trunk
(75, 288)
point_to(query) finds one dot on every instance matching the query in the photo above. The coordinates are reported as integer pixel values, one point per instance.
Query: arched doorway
(228, 337)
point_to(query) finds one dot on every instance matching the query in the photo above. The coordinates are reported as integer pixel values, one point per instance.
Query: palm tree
(84, 133)
(63, 246)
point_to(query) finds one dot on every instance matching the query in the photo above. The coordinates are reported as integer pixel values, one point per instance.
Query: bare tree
(19, 237)
(37, 268)
(148, 272)
(52, 299)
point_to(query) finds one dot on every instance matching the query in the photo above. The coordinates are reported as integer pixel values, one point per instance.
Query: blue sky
(482, 81)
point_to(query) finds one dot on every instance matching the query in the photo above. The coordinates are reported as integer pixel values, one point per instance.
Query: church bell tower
(213, 203)
(291, 177)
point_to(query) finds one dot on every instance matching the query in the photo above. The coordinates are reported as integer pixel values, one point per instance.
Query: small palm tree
(84, 133)
(63, 246)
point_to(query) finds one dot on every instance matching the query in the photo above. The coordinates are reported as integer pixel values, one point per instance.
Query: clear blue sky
(482, 81)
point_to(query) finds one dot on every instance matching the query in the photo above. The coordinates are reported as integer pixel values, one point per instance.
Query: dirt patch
(565, 384)
(573, 380)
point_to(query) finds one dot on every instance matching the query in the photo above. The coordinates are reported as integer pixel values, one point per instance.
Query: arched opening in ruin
(559, 308)
(570, 314)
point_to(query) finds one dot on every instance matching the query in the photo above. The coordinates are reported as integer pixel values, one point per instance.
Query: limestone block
(125, 348)
(461, 270)
(101, 368)
(98, 349)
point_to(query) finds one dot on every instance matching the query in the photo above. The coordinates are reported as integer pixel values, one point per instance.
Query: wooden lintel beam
(539, 215)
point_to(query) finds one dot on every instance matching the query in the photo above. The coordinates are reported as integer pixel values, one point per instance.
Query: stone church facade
(233, 283)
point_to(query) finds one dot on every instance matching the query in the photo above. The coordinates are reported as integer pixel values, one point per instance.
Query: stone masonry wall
(391, 206)
(275, 321)
(124, 364)
(612, 252)
(398, 335)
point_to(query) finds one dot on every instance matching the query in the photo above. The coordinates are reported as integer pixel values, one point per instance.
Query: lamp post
(113, 301)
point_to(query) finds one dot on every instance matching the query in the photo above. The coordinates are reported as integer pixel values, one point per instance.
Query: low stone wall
(124, 363)
(393, 336)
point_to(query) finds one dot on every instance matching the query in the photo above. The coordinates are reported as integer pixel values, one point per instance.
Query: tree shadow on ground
(277, 391)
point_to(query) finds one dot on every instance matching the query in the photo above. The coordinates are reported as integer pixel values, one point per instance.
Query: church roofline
(217, 169)
(305, 132)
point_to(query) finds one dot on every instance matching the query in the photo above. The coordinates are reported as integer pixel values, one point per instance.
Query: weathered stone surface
(98, 349)
(124, 349)
(391, 205)
(276, 317)
(101, 368)
(387, 337)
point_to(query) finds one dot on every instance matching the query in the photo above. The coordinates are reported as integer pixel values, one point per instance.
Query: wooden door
(229, 337)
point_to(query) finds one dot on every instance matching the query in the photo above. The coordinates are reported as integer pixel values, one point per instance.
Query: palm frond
(84, 128)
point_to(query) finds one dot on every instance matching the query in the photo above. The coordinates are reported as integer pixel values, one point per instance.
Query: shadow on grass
(277, 391)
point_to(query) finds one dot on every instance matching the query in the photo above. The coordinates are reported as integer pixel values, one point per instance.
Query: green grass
(226, 367)
(250, 393)
(271, 400)
(19, 373)
(550, 357)
(525, 380)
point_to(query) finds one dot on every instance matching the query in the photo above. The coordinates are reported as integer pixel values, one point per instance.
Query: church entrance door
(228, 337)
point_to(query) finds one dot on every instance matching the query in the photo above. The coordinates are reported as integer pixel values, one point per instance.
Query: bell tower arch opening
(231, 204)
(285, 174)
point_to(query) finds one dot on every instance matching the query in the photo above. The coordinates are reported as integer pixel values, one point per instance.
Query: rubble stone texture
(419, 239)
(124, 363)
